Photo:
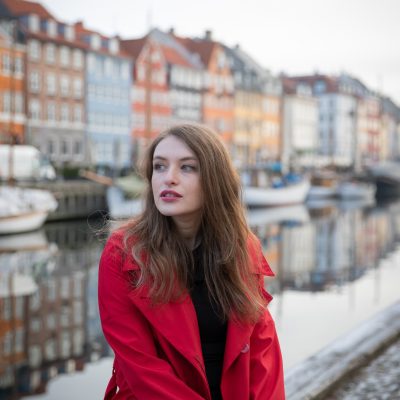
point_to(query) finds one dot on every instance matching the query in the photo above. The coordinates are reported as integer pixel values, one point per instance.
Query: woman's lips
(170, 195)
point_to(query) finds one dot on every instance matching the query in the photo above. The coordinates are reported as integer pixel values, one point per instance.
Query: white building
(300, 126)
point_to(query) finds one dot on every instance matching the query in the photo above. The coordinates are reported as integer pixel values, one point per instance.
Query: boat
(349, 190)
(323, 185)
(24, 210)
(291, 193)
(297, 213)
(386, 176)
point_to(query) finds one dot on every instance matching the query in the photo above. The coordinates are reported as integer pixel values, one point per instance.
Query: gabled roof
(173, 51)
(22, 7)
(204, 48)
(134, 46)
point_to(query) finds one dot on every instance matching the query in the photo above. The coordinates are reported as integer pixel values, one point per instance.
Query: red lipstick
(170, 195)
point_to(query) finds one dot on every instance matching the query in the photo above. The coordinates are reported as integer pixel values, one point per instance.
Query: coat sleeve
(266, 366)
(129, 335)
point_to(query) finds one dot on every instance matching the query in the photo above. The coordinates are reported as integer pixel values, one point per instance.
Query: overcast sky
(360, 37)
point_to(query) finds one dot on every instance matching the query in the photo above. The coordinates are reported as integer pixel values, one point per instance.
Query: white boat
(24, 210)
(356, 190)
(119, 207)
(263, 197)
(275, 215)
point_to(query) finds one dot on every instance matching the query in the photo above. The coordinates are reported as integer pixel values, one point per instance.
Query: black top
(211, 326)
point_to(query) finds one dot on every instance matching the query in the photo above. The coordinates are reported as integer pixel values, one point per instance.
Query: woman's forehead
(172, 147)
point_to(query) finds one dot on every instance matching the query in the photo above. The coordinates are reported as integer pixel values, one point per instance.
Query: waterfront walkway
(362, 365)
(379, 380)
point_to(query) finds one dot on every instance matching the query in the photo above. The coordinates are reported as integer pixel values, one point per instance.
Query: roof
(81, 31)
(204, 48)
(22, 7)
(134, 46)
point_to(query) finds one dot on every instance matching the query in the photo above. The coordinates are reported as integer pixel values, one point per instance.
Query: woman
(181, 293)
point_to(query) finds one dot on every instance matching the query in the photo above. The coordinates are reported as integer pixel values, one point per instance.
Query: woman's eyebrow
(181, 159)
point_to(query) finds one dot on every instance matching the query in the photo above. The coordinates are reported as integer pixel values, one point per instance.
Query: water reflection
(48, 293)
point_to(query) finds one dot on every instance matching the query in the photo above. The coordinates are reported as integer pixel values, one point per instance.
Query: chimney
(208, 34)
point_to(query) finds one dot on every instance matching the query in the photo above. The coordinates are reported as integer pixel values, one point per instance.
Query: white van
(28, 163)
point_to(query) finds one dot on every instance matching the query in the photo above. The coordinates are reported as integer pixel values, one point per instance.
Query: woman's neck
(188, 230)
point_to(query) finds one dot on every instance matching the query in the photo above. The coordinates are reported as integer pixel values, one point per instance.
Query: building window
(77, 59)
(64, 56)
(18, 65)
(78, 148)
(6, 102)
(77, 88)
(64, 113)
(78, 113)
(6, 63)
(34, 50)
(108, 67)
(34, 110)
(91, 63)
(51, 111)
(34, 81)
(19, 102)
(50, 147)
(50, 53)
(64, 85)
(64, 150)
(34, 23)
(51, 84)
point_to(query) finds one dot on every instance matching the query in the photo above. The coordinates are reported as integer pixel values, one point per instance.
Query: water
(335, 267)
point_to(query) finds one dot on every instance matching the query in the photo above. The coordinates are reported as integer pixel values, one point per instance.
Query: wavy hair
(165, 260)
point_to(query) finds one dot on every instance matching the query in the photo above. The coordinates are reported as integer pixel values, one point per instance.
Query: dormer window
(95, 42)
(113, 45)
(34, 23)
(69, 33)
(51, 28)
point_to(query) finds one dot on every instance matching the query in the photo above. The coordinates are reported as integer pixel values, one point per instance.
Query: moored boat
(24, 210)
(293, 193)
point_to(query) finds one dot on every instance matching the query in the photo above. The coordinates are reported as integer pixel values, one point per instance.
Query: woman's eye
(158, 167)
(188, 168)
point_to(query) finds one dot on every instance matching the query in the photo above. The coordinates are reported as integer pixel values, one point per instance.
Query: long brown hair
(224, 232)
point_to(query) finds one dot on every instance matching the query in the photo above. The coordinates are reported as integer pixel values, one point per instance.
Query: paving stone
(379, 380)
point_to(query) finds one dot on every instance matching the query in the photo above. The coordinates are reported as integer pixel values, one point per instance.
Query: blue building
(108, 102)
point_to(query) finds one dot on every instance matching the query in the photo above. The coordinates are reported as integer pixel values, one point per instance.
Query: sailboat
(24, 210)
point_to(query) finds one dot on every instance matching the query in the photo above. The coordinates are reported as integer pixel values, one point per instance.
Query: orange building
(151, 109)
(218, 98)
(12, 81)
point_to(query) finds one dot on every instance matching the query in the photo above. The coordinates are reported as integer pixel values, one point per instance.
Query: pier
(76, 198)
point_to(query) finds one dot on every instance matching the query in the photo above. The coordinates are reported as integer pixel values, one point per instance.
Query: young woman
(181, 295)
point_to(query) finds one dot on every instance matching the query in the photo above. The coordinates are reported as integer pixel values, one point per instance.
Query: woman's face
(176, 182)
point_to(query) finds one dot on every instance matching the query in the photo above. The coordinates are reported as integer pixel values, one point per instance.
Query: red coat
(158, 351)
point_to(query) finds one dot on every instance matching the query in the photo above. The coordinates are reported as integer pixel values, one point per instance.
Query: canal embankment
(321, 374)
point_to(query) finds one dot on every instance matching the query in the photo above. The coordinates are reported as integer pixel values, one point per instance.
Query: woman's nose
(172, 175)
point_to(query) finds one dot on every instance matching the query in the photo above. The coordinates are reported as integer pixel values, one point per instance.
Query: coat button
(246, 348)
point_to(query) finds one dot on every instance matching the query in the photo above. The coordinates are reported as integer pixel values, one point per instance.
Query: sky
(360, 37)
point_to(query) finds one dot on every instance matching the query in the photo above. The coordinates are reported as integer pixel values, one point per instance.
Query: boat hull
(22, 222)
(269, 197)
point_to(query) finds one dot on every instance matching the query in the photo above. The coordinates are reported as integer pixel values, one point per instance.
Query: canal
(336, 265)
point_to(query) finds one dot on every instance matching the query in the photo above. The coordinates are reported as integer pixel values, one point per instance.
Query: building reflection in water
(49, 322)
(48, 307)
